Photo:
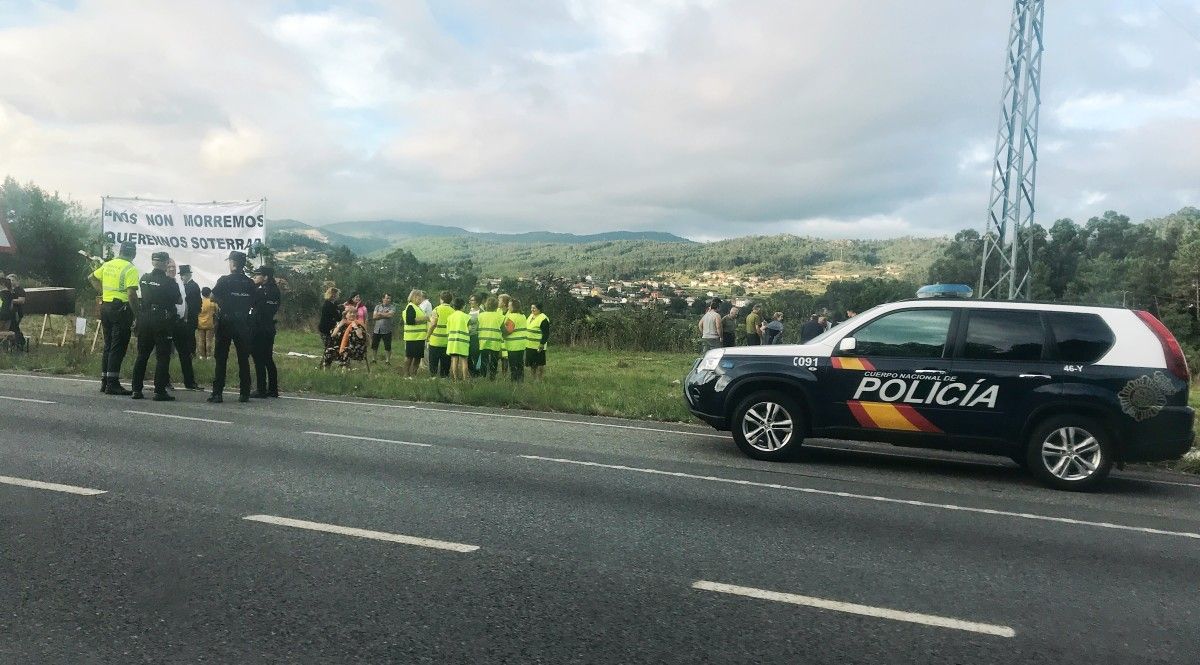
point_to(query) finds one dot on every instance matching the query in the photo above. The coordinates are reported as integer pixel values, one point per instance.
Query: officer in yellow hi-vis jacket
(117, 282)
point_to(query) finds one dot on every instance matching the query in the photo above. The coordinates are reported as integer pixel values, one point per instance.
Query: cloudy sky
(708, 118)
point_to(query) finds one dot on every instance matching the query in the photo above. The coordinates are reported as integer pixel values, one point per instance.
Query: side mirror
(847, 344)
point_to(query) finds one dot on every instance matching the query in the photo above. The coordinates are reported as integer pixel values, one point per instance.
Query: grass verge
(625, 385)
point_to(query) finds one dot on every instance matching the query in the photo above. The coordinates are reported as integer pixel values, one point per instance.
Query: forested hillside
(766, 256)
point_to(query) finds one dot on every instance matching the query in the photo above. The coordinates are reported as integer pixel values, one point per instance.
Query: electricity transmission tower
(1005, 270)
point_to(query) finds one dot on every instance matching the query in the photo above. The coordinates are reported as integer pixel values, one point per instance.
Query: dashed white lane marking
(486, 414)
(370, 438)
(169, 415)
(54, 487)
(869, 497)
(363, 533)
(26, 399)
(854, 608)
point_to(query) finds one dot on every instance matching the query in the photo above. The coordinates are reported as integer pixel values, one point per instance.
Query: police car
(1066, 391)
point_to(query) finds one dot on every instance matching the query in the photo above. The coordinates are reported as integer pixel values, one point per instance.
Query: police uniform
(234, 295)
(262, 333)
(116, 277)
(156, 327)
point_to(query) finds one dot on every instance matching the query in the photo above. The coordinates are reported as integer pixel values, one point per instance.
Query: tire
(768, 426)
(1068, 452)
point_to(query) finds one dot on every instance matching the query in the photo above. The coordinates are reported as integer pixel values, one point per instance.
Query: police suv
(1065, 391)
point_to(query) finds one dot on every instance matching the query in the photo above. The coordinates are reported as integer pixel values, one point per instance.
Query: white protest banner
(197, 234)
(7, 244)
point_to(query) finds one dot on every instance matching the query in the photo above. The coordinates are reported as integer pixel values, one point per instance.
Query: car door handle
(930, 371)
(1035, 376)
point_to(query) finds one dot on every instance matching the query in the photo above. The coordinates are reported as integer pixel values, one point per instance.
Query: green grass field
(626, 385)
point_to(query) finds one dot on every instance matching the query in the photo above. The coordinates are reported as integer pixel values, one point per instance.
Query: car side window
(1004, 334)
(914, 333)
(1079, 337)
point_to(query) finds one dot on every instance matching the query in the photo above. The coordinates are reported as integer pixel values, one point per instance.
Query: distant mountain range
(618, 254)
(381, 235)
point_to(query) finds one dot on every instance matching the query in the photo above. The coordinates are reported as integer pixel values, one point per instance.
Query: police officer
(234, 295)
(156, 326)
(262, 331)
(116, 281)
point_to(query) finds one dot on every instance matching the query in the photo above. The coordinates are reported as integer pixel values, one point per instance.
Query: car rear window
(1004, 334)
(1078, 337)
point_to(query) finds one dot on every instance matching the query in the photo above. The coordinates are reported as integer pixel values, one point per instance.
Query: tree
(49, 233)
(959, 262)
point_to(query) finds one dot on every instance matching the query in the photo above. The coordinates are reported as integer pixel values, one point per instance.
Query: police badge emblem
(1145, 396)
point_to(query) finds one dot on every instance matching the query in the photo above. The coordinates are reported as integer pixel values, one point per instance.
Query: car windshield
(840, 327)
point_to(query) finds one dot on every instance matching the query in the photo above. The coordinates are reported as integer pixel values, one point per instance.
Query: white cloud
(703, 117)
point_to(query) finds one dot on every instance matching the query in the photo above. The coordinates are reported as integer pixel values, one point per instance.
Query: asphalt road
(314, 529)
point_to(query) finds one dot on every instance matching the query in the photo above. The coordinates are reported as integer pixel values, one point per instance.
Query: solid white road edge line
(869, 497)
(26, 399)
(486, 414)
(55, 487)
(47, 376)
(369, 438)
(854, 608)
(168, 415)
(363, 533)
(580, 422)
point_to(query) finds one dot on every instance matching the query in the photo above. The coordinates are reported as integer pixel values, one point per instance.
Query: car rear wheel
(1069, 453)
(768, 426)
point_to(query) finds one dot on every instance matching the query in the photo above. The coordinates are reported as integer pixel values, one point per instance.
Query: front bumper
(703, 400)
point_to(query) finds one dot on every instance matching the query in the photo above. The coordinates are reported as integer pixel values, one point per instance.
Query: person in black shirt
(156, 326)
(262, 333)
(810, 329)
(18, 310)
(331, 314)
(234, 295)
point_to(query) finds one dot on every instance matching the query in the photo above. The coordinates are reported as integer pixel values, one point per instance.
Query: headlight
(711, 359)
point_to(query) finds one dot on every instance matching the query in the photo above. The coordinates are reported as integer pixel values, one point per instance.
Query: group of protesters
(718, 331)
(482, 335)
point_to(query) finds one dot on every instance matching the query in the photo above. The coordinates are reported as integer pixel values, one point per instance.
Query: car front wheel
(1070, 453)
(768, 426)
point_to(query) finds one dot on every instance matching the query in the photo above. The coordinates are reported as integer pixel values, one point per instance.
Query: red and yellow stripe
(881, 415)
(853, 363)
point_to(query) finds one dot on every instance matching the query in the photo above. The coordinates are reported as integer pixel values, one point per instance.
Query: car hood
(780, 350)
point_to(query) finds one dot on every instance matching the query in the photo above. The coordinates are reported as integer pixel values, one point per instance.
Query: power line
(1179, 22)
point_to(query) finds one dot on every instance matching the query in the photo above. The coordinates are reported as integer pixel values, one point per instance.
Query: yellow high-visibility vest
(458, 333)
(116, 277)
(491, 331)
(415, 332)
(533, 331)
(438, 336)
(515, 340)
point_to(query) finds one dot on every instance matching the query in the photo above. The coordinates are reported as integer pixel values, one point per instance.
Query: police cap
(265, 271)
(239, 257)
(185, 269)
(160, 256)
